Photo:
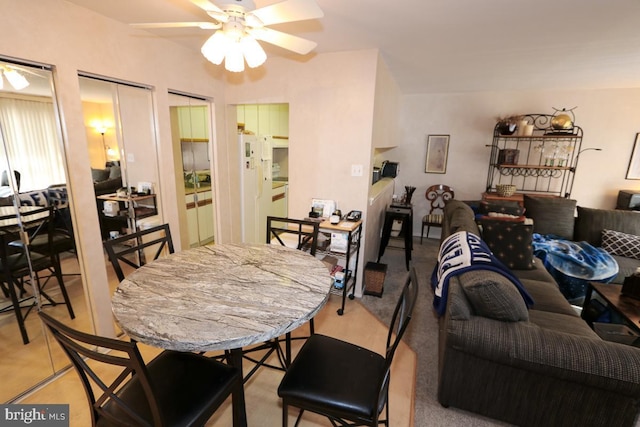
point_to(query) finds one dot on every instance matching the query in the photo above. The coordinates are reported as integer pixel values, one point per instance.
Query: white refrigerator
(255, 185)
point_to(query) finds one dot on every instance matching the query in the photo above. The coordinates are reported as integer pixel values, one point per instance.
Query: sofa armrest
(523, 345)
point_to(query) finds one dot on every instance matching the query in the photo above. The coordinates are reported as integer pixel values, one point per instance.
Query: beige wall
(331, 101)
(609, 118)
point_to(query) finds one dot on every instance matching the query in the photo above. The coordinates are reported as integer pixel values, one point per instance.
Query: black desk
(402, 213)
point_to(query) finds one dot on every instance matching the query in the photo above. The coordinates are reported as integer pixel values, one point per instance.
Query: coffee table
(627, 307)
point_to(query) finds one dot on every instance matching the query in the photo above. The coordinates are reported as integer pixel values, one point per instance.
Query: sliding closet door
(190, 122)
(121, 134)
(32, 173)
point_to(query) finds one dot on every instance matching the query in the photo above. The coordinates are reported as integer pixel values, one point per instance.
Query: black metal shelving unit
(541, 163)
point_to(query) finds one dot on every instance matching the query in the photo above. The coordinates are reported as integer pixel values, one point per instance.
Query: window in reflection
(33, 190)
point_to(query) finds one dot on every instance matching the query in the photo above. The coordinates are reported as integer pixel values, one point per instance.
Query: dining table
(221, 297)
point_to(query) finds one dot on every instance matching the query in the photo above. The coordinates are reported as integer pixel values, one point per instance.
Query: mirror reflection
(191, 130)
(121, 139)
(40, 268)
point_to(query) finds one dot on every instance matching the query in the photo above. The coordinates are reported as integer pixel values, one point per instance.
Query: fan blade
(284, 40)
(203, 25)
(289, 11)
(212, 10)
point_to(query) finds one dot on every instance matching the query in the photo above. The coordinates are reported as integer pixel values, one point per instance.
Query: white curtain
(32, 145)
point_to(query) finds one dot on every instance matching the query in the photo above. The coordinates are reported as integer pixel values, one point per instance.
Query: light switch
(356, 170)
(130, 158)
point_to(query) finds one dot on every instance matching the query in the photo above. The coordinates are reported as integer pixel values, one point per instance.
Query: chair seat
(432, 219)
(18, 264)
(60, 242)
(183, 384)
(330, 375)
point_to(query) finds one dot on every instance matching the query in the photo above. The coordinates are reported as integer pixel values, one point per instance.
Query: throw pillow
(99, 174)
(494, 296)
(503, 207)
(551, 215)
(511, 242)
(621, 244)
(115, 172)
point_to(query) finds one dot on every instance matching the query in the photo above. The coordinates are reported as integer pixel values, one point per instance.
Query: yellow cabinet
(194, 123)
(265, 119)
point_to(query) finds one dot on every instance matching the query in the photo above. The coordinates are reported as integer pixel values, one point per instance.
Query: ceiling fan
(239, 25)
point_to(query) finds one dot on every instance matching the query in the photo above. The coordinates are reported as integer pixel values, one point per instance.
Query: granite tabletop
(221, 296)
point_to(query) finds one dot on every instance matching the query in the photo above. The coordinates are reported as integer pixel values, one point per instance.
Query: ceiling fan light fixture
(216, 47)
(234, 60)
(253, 53)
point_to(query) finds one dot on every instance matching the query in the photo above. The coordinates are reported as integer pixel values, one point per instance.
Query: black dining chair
(174, 389)
(62, 238)
(129, 249)
(297, 234)
(342, 381)
(17, 263)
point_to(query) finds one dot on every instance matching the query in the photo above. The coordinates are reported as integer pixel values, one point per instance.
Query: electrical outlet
(356, 170)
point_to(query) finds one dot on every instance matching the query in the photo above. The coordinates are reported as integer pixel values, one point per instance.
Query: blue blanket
(462, 252)
(574, 264)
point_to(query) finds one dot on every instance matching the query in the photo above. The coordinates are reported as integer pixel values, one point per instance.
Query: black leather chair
(174, 389)
(342, 381)
(301, 235)
(130, 248)
(17, 262)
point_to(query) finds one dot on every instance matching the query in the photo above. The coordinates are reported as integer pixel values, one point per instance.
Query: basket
(505, 190)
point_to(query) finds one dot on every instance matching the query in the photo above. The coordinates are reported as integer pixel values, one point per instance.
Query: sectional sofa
(530, 366)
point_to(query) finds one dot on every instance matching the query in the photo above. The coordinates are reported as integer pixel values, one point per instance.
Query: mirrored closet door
(190, 125)
(33, 192)
(121, 138)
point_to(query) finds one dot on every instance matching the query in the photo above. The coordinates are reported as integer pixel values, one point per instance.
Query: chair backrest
(398, 326)
(298, 233)
(39, 222)
(438, 195)
(129, 249)
(81, 348)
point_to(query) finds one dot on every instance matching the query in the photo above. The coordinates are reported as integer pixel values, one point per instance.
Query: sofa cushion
(621, 244)
(590, 223)
(510, 242)
(493, 295)
(539, 272)
(558, 322)
(551, 215)
(626, 267)
(547, 297)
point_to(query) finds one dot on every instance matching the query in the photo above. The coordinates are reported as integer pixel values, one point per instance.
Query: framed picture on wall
(437, 151)
(633, 172)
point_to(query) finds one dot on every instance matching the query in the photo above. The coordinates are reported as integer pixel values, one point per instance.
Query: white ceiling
(451, 45)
